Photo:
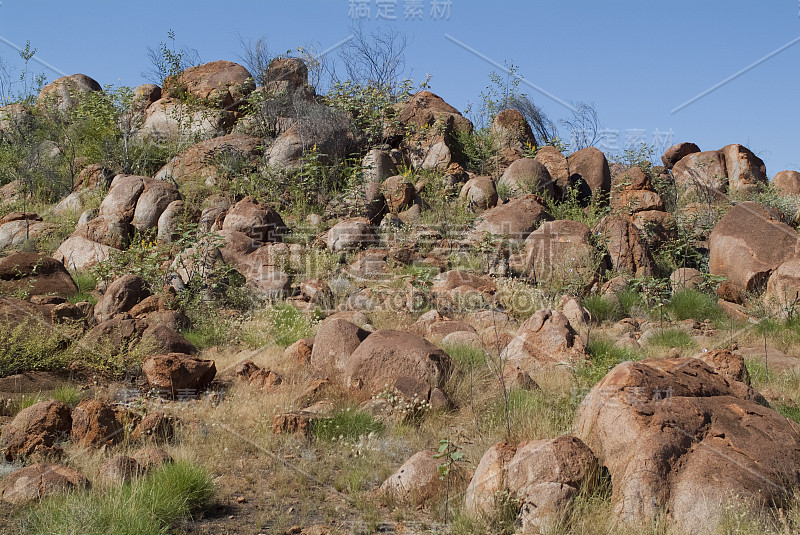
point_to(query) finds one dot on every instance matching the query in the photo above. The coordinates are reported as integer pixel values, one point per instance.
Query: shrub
(27, 347)
(348, 426)
(690, 304)
(151, 505)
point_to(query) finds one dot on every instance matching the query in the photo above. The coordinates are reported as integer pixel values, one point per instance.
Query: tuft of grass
(690, 304)
(535, 414)
(148, 506)
(346, 426)
(603, 309)
(672, 338)
(603, 357)
(466, 357)
(68, 394)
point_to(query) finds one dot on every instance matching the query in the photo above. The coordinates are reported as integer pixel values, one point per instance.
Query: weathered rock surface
(542, 475)
(36, 429)
(746, 246)
(676, 436)
(33, 483)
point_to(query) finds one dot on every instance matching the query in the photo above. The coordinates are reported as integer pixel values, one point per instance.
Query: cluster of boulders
(680, 440)
(37, 433)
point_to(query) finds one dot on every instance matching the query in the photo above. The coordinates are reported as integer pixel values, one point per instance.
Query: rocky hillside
(231, 308)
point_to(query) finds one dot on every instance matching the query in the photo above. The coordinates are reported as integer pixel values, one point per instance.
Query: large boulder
(258, 221)
(36, 429)
(335, 341)
(205, 162)
(479, 193)
(377, 166)
(351, 234)
(120, 202)
(746, 172)
(97, 423)
(14, 118)
(515, 219)
(170, 119)
(525, 176)
(398, 192)
(561, 251)
(590, 166)
(36, 275)
(545, 340)
(677, 152)
(513, 135)
(783, 289)
(33, 483)
(291, 70)
(79, 253)
(543, 476)
(702, 172)
(557, 166)
(787, 182)
(178, 374)
(64, 93)
(416, 481)
(121, 296)
(155, 198)
(626, 247)
(15, 234)
(220, 84)
(677, 437)
(631, 192)
(433, 124)
(424, 109)
(397, 360)
(746, 246)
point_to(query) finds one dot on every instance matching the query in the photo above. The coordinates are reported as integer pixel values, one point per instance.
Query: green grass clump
(603, 357)
(602, 308)
(534, 414)
(148, 506)
(672, 338)
(466, 357)
(348, 426)
(68, 394)
(690, 304)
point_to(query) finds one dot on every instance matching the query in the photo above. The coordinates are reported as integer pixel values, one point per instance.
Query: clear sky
(636, 60)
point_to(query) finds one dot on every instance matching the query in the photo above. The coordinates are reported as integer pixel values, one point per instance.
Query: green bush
(347, 426)
(690, 304)
(148, 506)
(29, 346)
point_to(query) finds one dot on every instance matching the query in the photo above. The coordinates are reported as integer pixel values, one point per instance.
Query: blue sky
(636, 61)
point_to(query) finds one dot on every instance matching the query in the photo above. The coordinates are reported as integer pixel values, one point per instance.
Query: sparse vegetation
(151, 505)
